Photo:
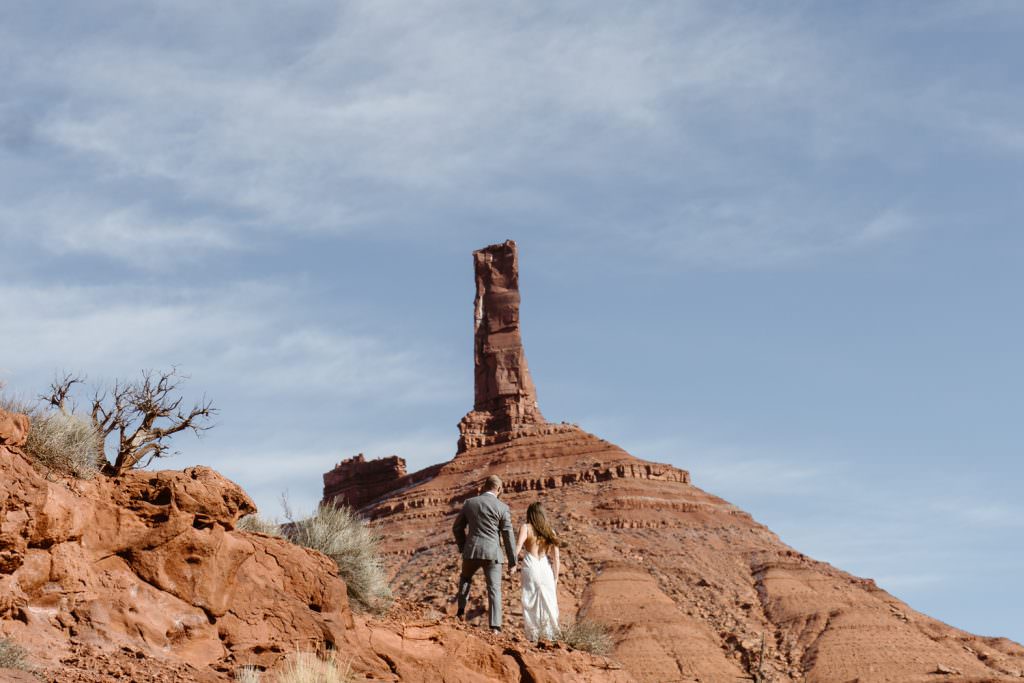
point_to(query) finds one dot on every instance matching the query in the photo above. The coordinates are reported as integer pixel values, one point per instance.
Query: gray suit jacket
(487, 519)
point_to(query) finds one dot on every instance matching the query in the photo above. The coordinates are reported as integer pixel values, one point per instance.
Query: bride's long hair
(539, 521)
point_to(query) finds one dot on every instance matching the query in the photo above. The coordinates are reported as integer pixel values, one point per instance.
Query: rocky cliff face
(693, 587)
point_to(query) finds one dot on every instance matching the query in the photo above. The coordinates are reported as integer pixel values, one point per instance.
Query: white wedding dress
(540, 601)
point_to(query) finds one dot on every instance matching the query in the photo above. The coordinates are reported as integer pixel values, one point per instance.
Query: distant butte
(692, 587)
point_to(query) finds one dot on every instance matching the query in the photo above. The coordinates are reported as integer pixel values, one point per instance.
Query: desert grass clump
(345, 538)
(589, 636)
(13, 656)
(306, 667)
(248, 674)
(63, 442)
(260, 525)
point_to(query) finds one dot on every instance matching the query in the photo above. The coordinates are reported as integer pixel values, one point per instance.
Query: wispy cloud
(363, 117)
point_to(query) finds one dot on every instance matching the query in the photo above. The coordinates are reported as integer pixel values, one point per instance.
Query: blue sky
(777, 245)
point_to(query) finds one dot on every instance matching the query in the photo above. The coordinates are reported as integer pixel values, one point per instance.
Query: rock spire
(505, 399)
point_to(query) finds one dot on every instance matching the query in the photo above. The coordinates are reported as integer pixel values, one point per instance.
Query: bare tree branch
(60, 392)
(142, 416)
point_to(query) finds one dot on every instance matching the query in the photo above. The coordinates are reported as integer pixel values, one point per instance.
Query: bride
(540, 603)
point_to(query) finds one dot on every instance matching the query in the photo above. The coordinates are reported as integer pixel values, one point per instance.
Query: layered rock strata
(354, 482)
(505, 401)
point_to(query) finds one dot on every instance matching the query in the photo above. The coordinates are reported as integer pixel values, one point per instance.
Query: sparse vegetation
(306, 667)
(138, 417)
(65, 443)
(589, 636)
(13, 656)
(345, 538)
(261, 525)
(248, 674)
(59, 441)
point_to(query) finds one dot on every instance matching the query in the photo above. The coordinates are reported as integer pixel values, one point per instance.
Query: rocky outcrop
(150, 562)
(13, 428)
(354, 482)
(505, 401)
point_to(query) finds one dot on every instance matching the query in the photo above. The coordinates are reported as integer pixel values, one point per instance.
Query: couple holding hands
(482, 522)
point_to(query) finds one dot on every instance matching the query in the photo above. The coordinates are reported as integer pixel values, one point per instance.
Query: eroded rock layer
(355, 481)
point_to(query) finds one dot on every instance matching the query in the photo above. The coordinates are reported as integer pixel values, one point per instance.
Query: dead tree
(137, 417)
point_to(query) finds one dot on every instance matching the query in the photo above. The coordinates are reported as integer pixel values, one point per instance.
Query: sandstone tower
(505, 400)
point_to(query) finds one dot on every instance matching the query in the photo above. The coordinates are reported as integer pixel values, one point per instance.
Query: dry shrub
(261, 525)
(345, 538)
(65, 443)
(62, 442)
(306, 667)
(13, 656)
(589, 636)
(248, 674)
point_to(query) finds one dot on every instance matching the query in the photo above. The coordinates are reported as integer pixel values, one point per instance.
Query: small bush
(13, 656)
(66, 443)
(248, 674)
(260, 525)
(345, 538)
(306, 667)
(589, 636)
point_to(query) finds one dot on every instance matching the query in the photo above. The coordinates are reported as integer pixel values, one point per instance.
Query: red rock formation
(143, 577)
(13, 428)
(690, 585)
(355, 482)
(505, 400)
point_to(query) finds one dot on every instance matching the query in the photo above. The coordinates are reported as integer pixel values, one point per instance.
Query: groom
(487, 519)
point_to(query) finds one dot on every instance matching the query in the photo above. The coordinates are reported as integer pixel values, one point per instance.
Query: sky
(775, 244)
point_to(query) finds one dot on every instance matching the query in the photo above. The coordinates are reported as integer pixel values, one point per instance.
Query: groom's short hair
(493, 483)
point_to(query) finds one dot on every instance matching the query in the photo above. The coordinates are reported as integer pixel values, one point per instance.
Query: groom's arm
(505, 529)
(459, 529)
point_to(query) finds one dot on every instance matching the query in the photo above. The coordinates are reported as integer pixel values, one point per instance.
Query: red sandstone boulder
(13, 428)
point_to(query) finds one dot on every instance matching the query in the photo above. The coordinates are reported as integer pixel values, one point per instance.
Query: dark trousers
(492, 571)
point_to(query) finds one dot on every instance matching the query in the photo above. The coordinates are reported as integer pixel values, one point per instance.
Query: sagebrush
(589, 636)
(345, 538)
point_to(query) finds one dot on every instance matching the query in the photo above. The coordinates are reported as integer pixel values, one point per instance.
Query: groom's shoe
(495, 629)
